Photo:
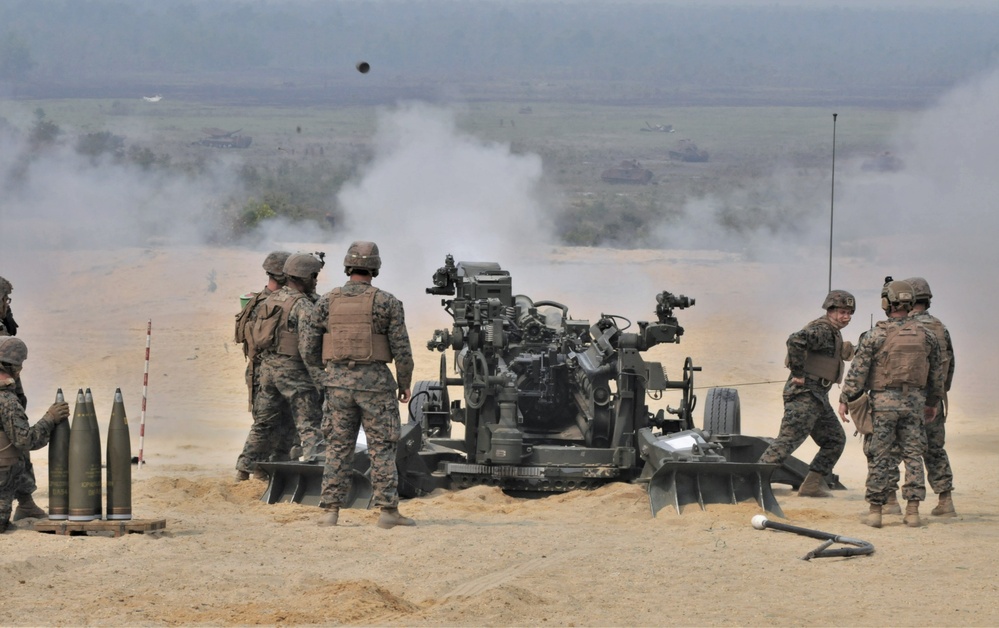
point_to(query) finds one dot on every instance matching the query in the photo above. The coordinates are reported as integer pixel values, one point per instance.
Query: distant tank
(688, 151)
(628, 171)
(217, 138)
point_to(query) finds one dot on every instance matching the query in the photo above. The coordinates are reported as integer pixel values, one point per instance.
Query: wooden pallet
(116, 527)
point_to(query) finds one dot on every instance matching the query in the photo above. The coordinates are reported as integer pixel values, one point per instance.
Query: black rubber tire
(421, 394)
(722, 413)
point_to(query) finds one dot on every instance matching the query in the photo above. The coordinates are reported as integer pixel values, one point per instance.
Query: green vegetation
(301, 157)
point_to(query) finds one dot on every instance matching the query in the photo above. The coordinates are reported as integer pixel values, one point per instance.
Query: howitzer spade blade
(679, 484)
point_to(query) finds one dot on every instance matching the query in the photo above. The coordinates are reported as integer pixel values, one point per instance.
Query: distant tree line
(292, 190)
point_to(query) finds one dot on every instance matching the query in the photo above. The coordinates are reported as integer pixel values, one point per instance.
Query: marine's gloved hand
(848, 350)
(57, 412)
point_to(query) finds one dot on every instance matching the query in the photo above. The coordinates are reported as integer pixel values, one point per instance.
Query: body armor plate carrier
(351, 335)
(903, 360)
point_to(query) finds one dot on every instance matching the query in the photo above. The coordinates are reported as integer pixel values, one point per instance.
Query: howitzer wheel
(722, 412)
(430, 407)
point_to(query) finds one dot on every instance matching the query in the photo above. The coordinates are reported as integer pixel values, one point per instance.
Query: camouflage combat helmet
(302, 265)
(898, 293)
(5, 290)
(274, 262)
(363, 254)
(920, 288)
(840, 298)
(13, 351)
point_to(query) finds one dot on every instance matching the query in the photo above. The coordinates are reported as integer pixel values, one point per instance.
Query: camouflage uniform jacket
(298, 318)
(818, 336)
(933, 324)
(858, 379)
(14, 422)
(388, 318)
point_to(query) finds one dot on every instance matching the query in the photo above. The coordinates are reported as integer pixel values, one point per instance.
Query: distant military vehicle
(217, 138)
(628, 171)
(661, 128)
(885, 162)
(688, 151)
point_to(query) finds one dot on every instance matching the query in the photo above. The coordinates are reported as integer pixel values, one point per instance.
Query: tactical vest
(270, 329)
(824, 367)
(351, 335)
(903, 359)
(936, 328)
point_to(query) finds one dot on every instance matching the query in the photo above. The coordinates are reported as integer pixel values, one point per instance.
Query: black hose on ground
(858, 547)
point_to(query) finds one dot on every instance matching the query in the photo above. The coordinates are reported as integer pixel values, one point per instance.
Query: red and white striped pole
(145, 388)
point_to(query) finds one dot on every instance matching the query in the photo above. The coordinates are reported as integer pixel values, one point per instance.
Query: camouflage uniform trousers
(266, 443)
(808, 413)
(898, 422)
(285, 392)
(938, 471)
(11, 483)
(344, 412)
(26, 485)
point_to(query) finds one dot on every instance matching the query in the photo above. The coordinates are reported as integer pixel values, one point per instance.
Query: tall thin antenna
(832, 196)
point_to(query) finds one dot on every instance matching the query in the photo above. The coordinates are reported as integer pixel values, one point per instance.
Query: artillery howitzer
(551, 404)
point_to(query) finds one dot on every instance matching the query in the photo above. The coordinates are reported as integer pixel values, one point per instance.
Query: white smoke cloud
(432, 189)
(57, 197)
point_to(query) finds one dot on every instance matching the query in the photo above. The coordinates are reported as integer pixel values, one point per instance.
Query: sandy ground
(476, 557)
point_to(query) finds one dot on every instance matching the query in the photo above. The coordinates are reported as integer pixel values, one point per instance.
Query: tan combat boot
(873, 518)
(813, 486)
(27, 508)
(911, 517)
(892, 507)
(330, 517)
(390, 518)
(945, 507)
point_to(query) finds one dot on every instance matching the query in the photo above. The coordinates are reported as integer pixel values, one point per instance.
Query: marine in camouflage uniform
(888, 371)
(815, 356)
(287, 384)
(360, 389)
(16, 436)
(937, 463)
(26, 506)
(274, 442)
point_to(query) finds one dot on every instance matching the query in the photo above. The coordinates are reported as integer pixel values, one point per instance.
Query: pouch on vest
(263, 332)
(287, 343)
(9, 454)
(860, 412)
